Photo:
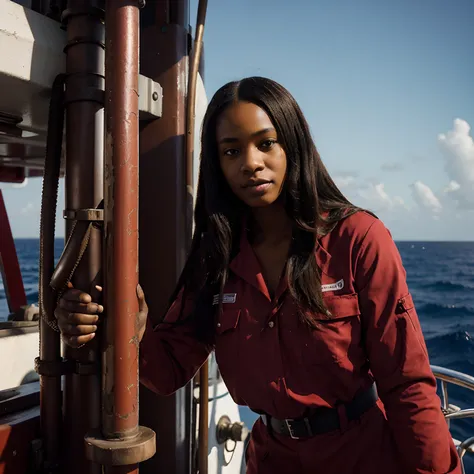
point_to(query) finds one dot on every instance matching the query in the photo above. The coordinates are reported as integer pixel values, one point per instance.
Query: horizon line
(396, 240)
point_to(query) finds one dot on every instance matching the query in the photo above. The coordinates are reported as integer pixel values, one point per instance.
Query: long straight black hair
(309, 193)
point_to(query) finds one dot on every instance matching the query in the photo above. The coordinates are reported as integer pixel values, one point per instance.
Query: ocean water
(441, 280)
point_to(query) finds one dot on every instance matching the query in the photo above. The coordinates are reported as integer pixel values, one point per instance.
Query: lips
(256, 183)
(257, 187)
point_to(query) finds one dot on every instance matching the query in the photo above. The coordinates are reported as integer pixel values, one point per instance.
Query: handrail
(452, 412)
(453, 376)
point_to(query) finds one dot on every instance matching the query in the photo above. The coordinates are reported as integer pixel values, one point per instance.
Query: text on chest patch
(339, 285)
(226, 298)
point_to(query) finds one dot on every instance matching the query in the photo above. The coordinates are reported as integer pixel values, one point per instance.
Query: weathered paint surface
(120, 382)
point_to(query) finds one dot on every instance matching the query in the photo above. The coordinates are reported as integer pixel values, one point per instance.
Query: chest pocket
(228, 321)
(335, 336)
(226, 341)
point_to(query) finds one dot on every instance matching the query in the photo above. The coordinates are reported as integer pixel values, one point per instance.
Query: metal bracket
(57, 368)
(150, 100)
(53, 368)
(90, 215)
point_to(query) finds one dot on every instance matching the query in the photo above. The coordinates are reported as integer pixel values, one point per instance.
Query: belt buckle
(288, 423)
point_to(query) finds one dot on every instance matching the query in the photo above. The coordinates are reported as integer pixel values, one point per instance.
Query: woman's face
(251, 159)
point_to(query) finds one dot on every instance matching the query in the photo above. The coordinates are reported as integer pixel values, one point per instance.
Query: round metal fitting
(226, 430)
(118, 452)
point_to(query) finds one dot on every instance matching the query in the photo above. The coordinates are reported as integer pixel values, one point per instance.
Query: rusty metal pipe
(190, 125)
(120, 445)
(84, 190)
(120, 381)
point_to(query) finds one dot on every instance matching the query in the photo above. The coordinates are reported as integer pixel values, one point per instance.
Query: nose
(252, 161)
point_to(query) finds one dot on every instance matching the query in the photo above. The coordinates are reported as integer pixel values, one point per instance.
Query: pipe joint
(120, 452)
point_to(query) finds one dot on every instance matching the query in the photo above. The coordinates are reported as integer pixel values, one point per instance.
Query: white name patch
(339, 285)
(226, 298)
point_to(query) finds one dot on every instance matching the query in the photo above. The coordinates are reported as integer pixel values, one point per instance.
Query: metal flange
(118, 452)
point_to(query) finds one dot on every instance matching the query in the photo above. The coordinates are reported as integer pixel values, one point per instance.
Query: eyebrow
(254, 134)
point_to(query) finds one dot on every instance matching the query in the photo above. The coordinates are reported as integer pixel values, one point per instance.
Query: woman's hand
(78, 316)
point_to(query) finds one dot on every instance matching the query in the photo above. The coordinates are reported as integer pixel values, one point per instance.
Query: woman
(304, 299)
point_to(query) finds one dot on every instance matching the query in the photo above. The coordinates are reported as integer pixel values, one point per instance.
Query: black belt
(323, 420)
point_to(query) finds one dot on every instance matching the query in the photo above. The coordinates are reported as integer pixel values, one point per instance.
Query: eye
(268, 144)
(231, 152)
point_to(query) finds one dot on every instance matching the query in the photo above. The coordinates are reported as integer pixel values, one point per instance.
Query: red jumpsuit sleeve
(170, 354)
(398, 358)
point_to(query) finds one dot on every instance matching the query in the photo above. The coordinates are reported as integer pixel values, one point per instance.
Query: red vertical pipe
(9, 265)
(120, 379)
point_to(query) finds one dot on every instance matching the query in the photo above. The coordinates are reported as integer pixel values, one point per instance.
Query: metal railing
(453, 412)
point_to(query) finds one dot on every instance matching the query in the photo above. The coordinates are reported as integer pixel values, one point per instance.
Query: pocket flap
(228, 320)
(406, 303)
(342, 306)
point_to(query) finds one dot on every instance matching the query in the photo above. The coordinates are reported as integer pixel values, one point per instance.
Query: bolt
(155, 96)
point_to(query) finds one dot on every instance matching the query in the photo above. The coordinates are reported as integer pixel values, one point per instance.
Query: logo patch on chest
(226, 298)
(339, 285)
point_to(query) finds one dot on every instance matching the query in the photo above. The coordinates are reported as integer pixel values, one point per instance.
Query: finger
(142, 306)
(77, 341)
(66, 317)
(74, 294)
(76, 307)
(69, 285)
(96, 294)
(74, 330)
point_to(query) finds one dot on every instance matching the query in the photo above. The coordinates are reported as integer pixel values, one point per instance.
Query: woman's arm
(398, 358)
(170, 354)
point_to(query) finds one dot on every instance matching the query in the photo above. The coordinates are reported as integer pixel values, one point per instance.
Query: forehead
(240, 119)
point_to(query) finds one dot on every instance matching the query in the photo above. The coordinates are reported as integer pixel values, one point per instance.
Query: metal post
(122, 444)
(84, 190)
(164, 31)
(120, 382)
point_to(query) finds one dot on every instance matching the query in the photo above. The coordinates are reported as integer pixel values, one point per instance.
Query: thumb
(142, 306)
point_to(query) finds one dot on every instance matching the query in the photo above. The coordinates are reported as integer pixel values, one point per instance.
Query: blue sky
(387, 90)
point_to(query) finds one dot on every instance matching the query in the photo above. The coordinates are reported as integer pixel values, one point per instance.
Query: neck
(271, 224)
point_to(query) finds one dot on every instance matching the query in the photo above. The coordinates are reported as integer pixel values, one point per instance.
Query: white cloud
(452, 187)
(28, 209)
(398, 201)
(373, 196)
(425, 197)
(457, 147)
(376, 196)
(343, 181)
(368, 193)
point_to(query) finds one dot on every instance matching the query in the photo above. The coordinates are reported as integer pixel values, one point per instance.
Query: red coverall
(273, 363)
